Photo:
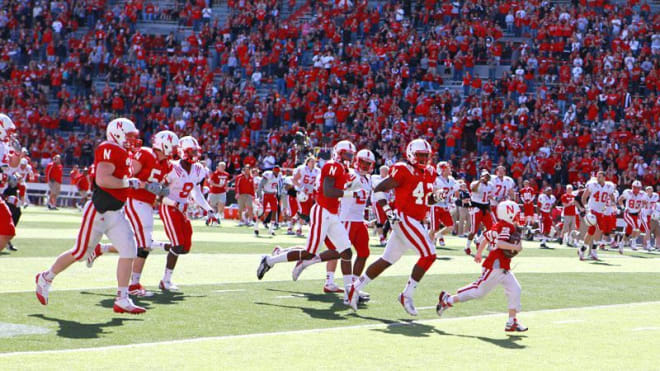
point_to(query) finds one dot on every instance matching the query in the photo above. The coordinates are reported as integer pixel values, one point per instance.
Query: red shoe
(139, 291)
(125, 305)
(515, 326)
(91, 257)
(43, 287)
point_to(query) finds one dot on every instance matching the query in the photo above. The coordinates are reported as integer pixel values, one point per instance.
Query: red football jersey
(527, 195)
(118, 156)
(220, 177)
(411, 196)
(152, 171)
(568, 210)
(335, 170)
(499, 232)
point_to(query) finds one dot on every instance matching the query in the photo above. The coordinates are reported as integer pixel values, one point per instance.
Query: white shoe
(593, 255)
(442, 303)
(407, 304)
(621, 248)
(331, 288)
(299, 268)
(580, 252)
(441, 242)
(352, 297)
(43, 288)
(125, 305)
(168, 286)
(96, 252)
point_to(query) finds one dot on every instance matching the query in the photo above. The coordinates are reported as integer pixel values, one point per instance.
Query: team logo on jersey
(106, 154)
(332, 170)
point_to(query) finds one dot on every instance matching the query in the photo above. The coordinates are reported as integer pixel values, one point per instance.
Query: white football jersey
(5, 151)
(181, 183)
(634, 202)
(352, 209)
(375, 180)
(546, 202)
(599, 195)
(501, 188)
(650, 204)
(272, 181)
(21, 173)
(307, 178)
(447, 187)
(483, 194)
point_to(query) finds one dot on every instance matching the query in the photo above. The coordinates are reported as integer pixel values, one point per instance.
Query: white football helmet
(166, 142)
(442, 165)
(7, 127)
(637, 185)
(341, 148)
(365, 161)
(416, 148)
(590, 219)
(508, 211)
(189, 148)
(123, 132)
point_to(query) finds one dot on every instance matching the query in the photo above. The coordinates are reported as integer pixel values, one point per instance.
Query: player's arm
(136, 166)
(296, 180)
(621, 200)
(512, 195)
(585, 196)
(198, 196)
(474, 186)
(262, 184)
(329, 189)
(505, 245)
(105, 179)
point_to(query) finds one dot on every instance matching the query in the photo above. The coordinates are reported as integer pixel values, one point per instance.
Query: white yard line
(221, 291)
(645, 329)
(319, 330)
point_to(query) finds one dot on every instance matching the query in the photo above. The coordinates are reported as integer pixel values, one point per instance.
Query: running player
(149, 166)
(546, 203)
(412, 182)
(304, 180)
(527, 196)
(104, 214)
(480, 211)
(496, 268)
(596, 195)
(268, 190)
(184, 179)
(324, 222)
(633, 200)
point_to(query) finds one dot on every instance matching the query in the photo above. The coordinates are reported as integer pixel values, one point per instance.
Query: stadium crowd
(581, 93)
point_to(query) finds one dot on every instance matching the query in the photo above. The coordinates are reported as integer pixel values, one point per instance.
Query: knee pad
(142, 252)
(426, 262)
(178, 250)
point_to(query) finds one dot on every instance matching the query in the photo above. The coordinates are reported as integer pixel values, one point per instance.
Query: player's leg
(7, 226)
(175, 223)
(512, 290)
(317, 234)
(140, 214)
(381, 218)
(476, 218)
(359, 236)
(488, 280)
(446, 224)
(90, 233)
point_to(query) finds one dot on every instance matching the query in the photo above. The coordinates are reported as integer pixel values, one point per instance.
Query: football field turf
(581, 315)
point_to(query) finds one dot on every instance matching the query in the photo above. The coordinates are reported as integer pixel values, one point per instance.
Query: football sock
(122, 292)
(279, 258)
(49, 275)
(168, 275)
(450, 300)
(348, 280)
(410, 288)
(135, 278)
(361, 282)
(468, 243)
(329, 277)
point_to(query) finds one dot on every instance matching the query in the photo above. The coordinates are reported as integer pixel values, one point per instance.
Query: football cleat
(299, 232)
(442, 303)
(467, 251)
(43, 287)
(383, 241)
(581, 251)
(276, 251)
(256, 232)
(353, 298)
(139, 291)
(125, 305)
(290, 232)
(263, 267)
(407, 304)
(593, 255)
(331, 288)
(96, 252)
(621, 248)
(363, 297)
(299, 268)
(515, 326)
(441, 242)
(543, 245)
(11, 247)
(167, 286)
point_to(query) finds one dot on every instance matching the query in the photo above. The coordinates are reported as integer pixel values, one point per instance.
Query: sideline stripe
(317, 330)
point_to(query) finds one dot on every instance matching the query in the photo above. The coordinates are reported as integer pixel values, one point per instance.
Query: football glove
(134, 183)
(12, 181)
(164, 191)
(154, 188)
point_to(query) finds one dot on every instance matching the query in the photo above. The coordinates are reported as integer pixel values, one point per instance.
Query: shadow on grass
(162, 297)
(415, 329)
(326, 314)
(76, 330)
(600, 262)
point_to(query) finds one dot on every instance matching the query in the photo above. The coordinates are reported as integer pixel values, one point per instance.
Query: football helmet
(637, 185)
(365, 161)
(508, 211)
(166, 142)
(441, 166)
(123, 132)
(189, 148)
(7, 128)
(341, 149)
(418, 153)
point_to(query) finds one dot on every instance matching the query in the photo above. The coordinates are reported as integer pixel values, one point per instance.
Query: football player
(382, 225)
(149, 166)
(546, 203)
(446, 188)
(496, 267)
(527, 196)
(104, 214)
(652, 213)
(596, 195)
(633, 201)
(412, 182)
(324, 221)
(8, 156)
(304, 180)
(570, 219)
(268, 190)
(184, 179)
(480, 211)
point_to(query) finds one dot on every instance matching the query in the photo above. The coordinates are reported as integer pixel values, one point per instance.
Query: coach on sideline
(244, 187)
(54, 180)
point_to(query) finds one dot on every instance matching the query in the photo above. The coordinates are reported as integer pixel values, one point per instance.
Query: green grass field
(582, 315)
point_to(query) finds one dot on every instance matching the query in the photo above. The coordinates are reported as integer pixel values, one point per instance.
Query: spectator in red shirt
(218, 192)
(244, 189)
(54, 180)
